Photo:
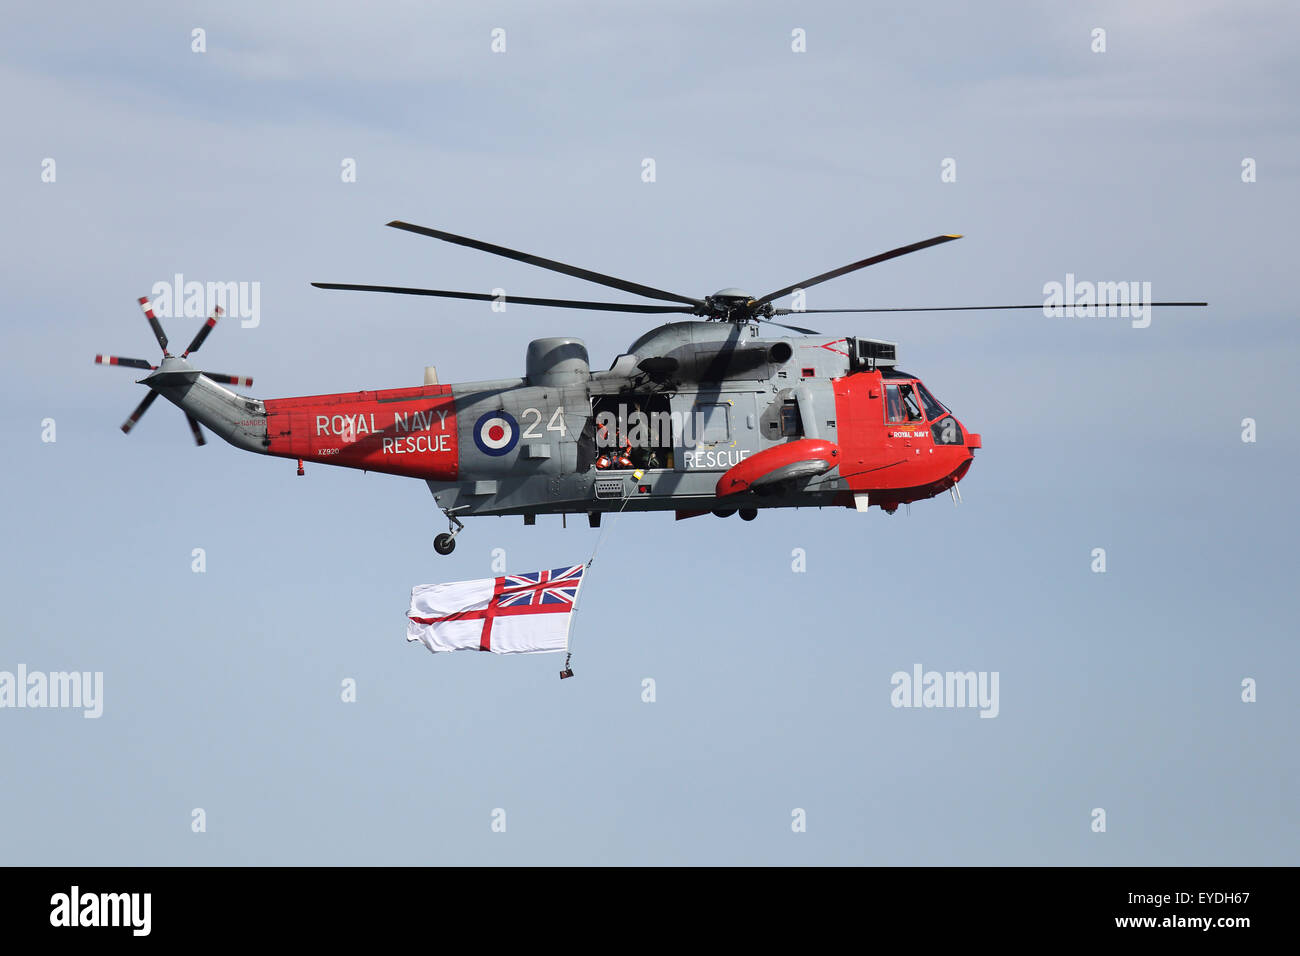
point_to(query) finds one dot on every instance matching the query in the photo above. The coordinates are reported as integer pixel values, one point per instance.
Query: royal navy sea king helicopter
(701, 415)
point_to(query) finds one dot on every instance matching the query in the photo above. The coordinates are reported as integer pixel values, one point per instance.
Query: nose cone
(972, 442)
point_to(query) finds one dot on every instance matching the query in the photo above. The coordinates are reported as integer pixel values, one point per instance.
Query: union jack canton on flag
(514, 614)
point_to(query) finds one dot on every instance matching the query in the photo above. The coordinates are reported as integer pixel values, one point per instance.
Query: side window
(790, 423)
(712, 423)
(901, 404)
(893, 406)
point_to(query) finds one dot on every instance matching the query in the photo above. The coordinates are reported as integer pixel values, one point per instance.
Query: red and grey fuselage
(715, 417)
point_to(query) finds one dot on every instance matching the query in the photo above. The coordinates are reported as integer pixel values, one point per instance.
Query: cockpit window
(900, 404)
(933, 408)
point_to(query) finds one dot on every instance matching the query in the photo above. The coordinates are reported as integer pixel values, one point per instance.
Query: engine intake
(557, 361)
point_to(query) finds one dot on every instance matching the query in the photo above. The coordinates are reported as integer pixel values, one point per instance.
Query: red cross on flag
(513, 614)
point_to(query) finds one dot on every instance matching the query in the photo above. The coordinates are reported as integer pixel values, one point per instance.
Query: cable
(600, 539)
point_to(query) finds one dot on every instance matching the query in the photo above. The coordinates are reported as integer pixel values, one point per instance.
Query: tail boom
(401, 431)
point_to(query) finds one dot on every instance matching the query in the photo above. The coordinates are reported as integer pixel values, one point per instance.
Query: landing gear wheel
(748, 514)
(446, 543)
(724, 512)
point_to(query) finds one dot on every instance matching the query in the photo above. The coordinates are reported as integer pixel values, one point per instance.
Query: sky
(772, 737)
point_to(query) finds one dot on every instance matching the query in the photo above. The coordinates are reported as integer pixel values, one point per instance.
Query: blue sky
(1119, 690)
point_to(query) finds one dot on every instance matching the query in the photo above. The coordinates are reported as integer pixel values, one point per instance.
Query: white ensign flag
(512, 614)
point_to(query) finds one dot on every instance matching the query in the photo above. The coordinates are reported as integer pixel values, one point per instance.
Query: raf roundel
(496, 433)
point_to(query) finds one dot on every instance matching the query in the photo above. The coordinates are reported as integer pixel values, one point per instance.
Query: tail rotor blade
(203, 333)
(243, 380)
(139, 411)
(158, 332)
(124, 362)
(198, 432)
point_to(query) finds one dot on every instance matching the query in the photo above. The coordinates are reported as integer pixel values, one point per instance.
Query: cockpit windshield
(904, 402)
(933, 407)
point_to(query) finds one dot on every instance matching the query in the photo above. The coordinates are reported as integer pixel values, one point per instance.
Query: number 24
(556, 424)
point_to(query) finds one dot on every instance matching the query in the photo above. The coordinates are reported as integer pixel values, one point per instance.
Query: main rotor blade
(575, 271)
(198, 432)
(994, 308)
(854, 266)
(516, 299)
(158, 332)
(792, 328)
(203, 333)
(124, 362)
(139, 411)
(229, 379)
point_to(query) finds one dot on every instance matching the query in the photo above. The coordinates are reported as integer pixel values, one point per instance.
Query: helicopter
(700, 415)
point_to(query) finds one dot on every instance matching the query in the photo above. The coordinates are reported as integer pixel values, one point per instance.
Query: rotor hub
(730, 305)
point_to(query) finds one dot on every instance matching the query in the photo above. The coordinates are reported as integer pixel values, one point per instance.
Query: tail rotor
(138, 413)
(201, 334)
(154, 324)
(171, 364)
(194, 427)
